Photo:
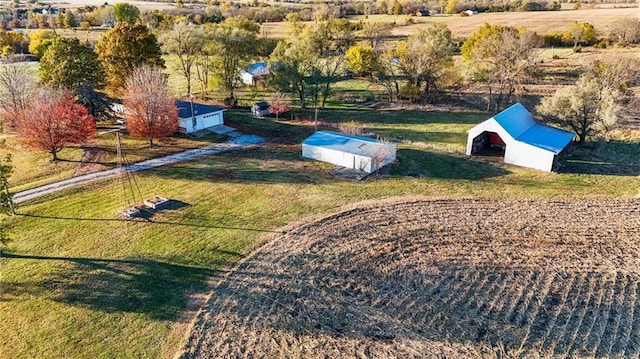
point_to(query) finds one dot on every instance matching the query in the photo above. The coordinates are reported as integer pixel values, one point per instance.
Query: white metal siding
(516, 152)
(202, 122)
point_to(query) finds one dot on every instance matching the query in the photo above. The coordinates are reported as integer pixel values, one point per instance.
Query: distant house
(203, 116)
(254, 72)
(354, 152)
(260, 109)
(514, 134)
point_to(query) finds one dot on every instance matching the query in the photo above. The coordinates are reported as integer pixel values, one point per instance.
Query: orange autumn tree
(150, 110)
(53, 120)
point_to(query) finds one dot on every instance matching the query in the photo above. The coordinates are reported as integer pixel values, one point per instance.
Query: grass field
(78, 282)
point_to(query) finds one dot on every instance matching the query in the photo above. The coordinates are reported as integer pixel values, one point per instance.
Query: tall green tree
(425, 57)
(503, 58)
(186, 41)
(125, 12)
(294, 61)
(68, 63)
(76, 67)
(123, 48)
(232, 44)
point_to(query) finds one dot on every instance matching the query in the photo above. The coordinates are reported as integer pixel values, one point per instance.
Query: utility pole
(193, 115)
(315, 121)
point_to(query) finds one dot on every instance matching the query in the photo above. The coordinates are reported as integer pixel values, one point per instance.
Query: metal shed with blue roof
(250, 74)
(354, 152)
(524, 142)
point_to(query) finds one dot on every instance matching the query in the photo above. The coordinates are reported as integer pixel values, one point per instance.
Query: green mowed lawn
(78, 282)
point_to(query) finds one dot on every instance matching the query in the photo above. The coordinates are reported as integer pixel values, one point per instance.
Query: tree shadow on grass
(424, 163)
(619, 158)
(398, 116)
(152, 287)
(147, 219)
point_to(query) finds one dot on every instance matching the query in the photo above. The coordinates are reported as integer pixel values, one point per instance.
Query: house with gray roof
(193, 116)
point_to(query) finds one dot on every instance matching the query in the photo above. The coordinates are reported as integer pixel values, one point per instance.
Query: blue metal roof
(519, 123)
(516, 120)
(257, 69)
(184, 109)
(328, 138)
(547, 137)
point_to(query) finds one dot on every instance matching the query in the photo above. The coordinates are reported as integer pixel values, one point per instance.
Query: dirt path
(436, 278)
(236, 141)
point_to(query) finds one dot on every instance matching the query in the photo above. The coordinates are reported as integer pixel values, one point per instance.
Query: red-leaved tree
(150, 110)
(279, 103)
(53, 120)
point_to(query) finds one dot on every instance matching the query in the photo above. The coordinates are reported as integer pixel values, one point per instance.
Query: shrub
(577, 49)
(553, 38)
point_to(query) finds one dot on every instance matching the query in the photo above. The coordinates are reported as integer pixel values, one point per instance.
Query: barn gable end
(525, 142)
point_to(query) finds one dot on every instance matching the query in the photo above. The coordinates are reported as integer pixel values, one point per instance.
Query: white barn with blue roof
(524, 141)
(250, 74)
(203, 116)
(354, 152)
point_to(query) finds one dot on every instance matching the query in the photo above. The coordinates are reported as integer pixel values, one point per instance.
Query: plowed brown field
(436, 278)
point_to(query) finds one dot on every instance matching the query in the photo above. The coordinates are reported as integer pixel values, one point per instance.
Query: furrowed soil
(417, 278)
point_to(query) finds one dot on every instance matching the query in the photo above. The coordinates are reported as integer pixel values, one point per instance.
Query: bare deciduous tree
(351, 128)
(150, 110)
(384, 154)
(502, 57)
(375, 33)
(17, 86)
(186, 42)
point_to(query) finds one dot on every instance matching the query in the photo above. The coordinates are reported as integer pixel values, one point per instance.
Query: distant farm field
(437, 278)
(603, 19)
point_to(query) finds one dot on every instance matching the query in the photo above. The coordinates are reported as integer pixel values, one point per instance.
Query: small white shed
(355, 152)
(203, 116)
(514, 134)
(250, 74)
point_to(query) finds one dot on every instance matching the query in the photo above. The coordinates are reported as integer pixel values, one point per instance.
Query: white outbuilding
(354, 152)
(254, 72)
(193, 116)
(514, 134)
